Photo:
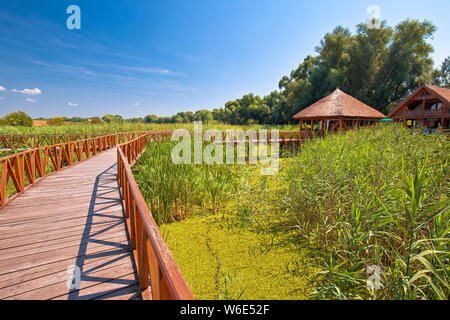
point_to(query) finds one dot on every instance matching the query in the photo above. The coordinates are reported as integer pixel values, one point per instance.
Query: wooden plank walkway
(71, 218)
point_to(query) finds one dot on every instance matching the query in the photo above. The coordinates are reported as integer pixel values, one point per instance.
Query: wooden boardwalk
(71, 218)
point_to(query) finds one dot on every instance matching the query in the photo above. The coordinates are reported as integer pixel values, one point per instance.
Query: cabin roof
(339, 105)
(442, 93)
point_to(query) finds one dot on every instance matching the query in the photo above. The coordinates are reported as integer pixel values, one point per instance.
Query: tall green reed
(374, 197)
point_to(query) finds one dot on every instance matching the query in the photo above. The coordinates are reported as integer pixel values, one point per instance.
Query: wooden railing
(31, 141)
(153, 258)
(283, 137)
(36, 163)
(13, 143)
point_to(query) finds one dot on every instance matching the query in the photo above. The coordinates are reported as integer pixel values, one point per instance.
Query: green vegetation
(232, 227)
(56, 121)
(374, 197)
(16, 119)
(224, 261)
(109, 118)
(378, 66)
(369, 197)
(441, 77)
(172, 189)
(108, 128)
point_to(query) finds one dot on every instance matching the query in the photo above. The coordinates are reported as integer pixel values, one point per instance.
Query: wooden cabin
(427, 107)
(338, 111)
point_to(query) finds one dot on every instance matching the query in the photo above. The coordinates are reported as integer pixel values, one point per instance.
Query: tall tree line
(377, 66)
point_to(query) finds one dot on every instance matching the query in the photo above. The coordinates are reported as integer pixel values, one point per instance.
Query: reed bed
(172, 189)
(124, 127)
(221, 223)
(374, 198)
(351, 204)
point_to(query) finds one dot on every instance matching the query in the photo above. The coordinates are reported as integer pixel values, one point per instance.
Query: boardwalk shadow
(104, 255)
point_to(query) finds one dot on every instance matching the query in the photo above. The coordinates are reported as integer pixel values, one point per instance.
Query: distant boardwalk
(71, 218)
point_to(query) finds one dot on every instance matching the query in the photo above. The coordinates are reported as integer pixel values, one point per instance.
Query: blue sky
(159, 57)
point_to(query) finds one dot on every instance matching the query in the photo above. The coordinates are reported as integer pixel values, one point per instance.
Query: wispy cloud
(149, 70)
(2, 88)
(193, 58)
(73, 104)
(32, 92)
(30, 100)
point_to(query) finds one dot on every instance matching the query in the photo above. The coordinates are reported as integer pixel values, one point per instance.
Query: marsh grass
(106, 128)
(378, 197)
(232, 244)
(172, 189)
(368, 197)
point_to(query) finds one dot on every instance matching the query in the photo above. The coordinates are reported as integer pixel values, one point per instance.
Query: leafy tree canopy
(18, 118)
(377, 66)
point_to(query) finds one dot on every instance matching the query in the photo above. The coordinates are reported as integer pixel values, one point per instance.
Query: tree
(95, 120)
(441, 77)
(135, 120)
(18, 118)
(204, 116)
(218, 114)
(190, 116)
(151, 118)
(377, 66)
(118, 119)
(109, 118)
(56, 121)
(76, 119)
(408, 63)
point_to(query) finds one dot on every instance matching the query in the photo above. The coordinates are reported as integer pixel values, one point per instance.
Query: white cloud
(30, 100)
(1, 98)
(32, 92)
(73, 104)
(2, 88)
(136, 104)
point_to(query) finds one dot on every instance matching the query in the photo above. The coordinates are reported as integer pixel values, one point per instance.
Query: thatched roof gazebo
(338, 111)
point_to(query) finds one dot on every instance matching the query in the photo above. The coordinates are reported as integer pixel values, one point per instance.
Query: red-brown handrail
(153, 258)
(33, 164)
(9, 141)
(12, 141)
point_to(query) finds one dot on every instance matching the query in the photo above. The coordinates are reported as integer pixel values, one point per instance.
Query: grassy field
(231, 241)
(374, 197)
(370, 197)
(122, 127)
